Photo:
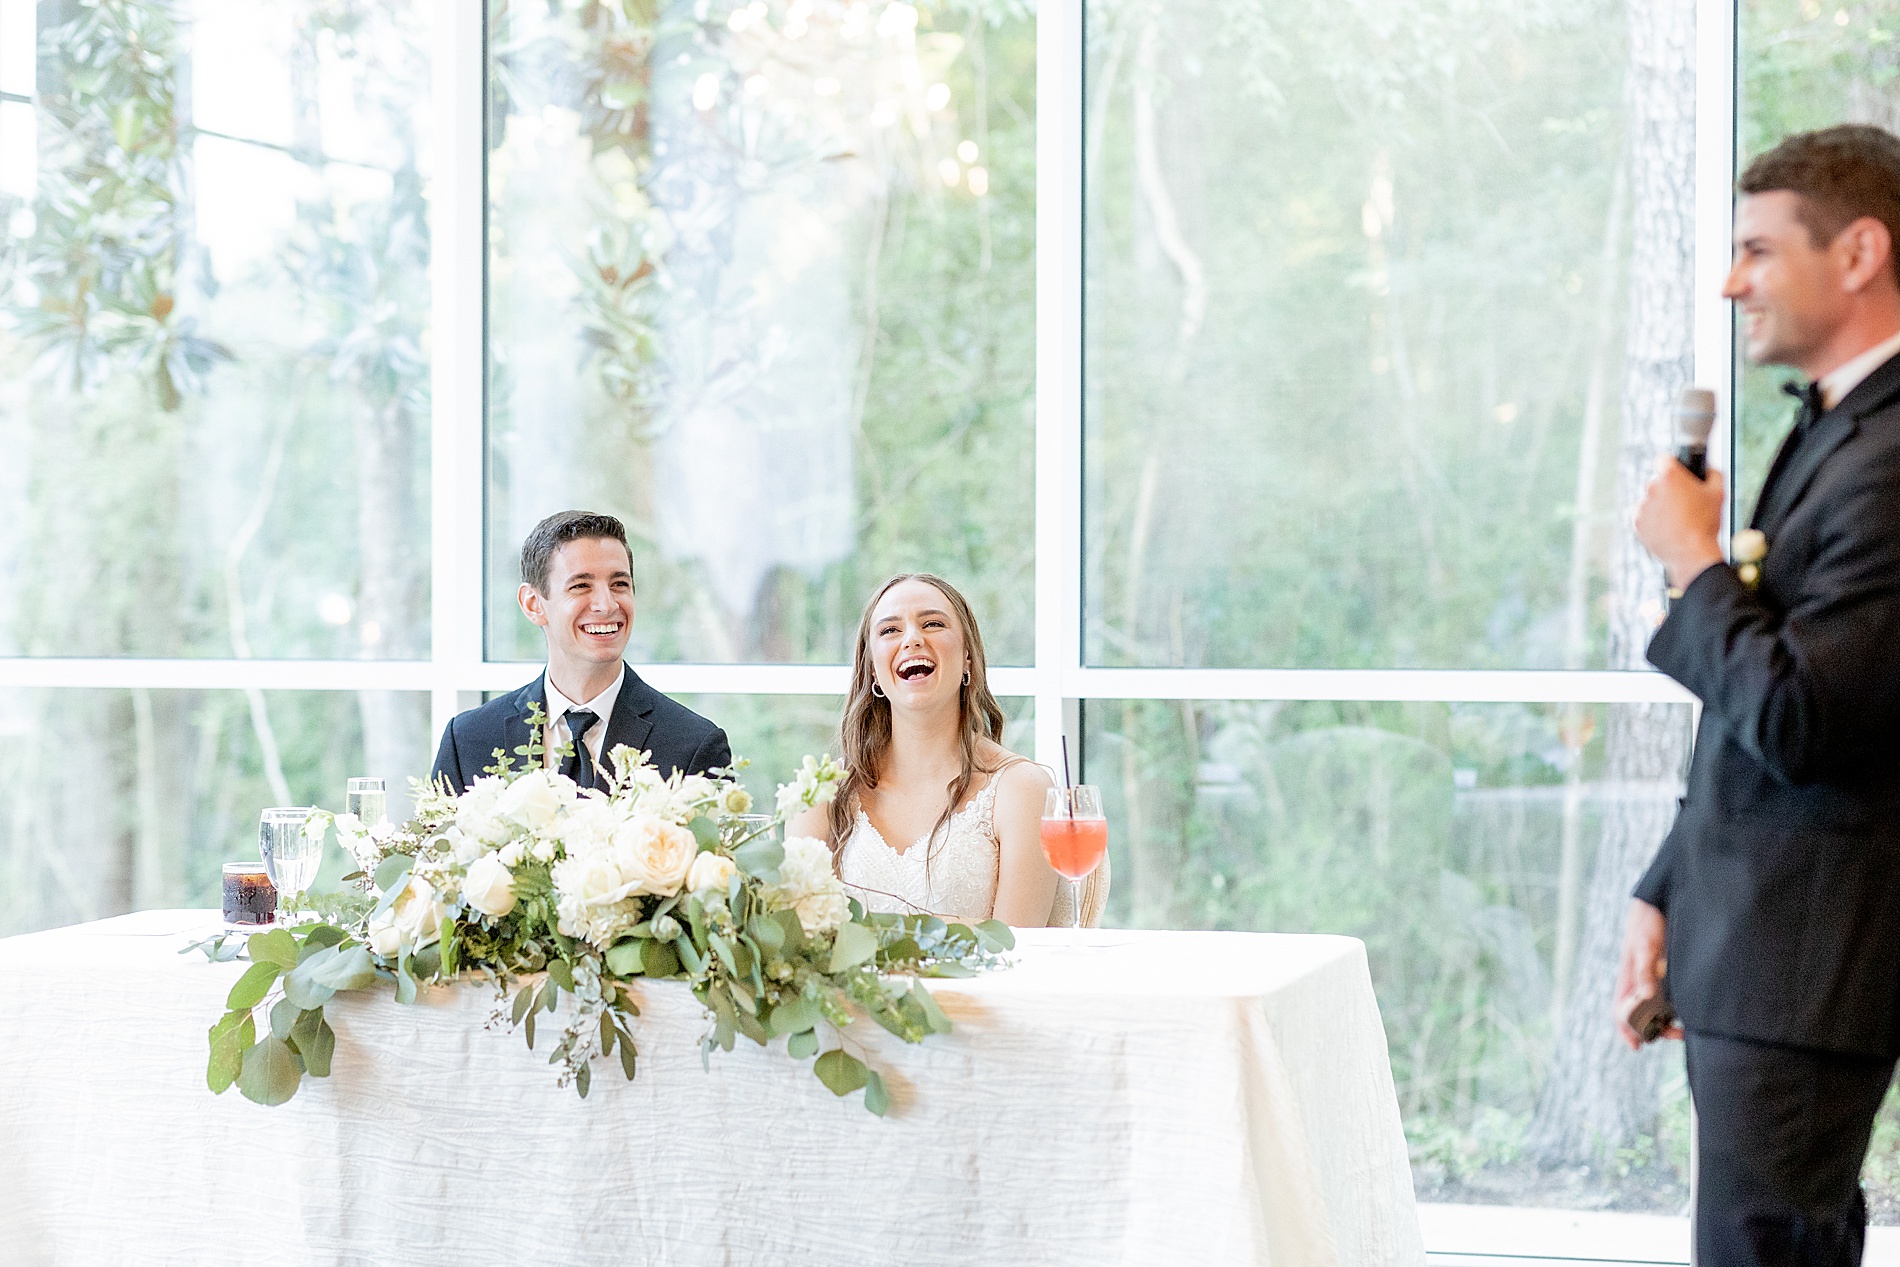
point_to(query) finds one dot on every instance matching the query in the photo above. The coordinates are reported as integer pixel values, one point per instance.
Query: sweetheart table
(1115, 1097)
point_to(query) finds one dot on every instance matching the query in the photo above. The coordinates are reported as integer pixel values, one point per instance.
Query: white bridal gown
(953, 876)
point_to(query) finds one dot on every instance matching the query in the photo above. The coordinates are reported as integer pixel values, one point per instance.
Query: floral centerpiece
(559, 895)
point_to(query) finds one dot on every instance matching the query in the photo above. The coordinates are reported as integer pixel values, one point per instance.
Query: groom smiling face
(585, 605)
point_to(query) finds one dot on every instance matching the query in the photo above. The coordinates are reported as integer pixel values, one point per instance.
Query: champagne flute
(365, 798)
(291, 852)
(1074, 838)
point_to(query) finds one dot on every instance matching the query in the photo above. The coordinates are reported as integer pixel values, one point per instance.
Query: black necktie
(579, 765)
(1811, 404)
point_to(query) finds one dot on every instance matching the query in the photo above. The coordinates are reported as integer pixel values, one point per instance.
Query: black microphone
(1695, 415)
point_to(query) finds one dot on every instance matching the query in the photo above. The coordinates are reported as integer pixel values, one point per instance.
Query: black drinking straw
(1067, 801)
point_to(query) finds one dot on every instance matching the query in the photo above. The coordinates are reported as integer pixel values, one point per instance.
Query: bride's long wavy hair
(865, 734)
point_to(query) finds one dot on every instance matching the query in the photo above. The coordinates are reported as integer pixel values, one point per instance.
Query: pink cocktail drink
(1074, 846)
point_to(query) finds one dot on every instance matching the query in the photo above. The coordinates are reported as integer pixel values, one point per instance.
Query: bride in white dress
(935, 816)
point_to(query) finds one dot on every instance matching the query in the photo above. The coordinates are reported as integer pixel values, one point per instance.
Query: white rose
(512, 853)
(489, 886)
(414, 921)
(695, 788)
(464, 847)
(657, 853)
(383, 938)
(535, 798)
(711, 871)
(542, 849)
(594, 897)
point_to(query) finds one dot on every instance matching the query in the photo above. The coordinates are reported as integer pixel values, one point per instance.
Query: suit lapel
(1795, 469)
(632, 722)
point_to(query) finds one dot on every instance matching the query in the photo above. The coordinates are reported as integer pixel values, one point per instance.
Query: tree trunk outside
(1598, 1097)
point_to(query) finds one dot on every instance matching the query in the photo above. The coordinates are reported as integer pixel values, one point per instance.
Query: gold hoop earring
(877, 690)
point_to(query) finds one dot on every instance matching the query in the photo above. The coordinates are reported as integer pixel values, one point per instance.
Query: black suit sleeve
(1653, 888)
(715, 753)
(447, 763)
(1803, 692)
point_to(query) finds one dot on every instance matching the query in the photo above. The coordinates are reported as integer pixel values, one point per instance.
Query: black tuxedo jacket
(1781, 875)
(643, 719)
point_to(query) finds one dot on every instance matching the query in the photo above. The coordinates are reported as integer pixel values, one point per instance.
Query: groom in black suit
(1774, 902)
(577, 584)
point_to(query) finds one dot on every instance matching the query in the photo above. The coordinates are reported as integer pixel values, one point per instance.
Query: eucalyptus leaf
(767, 932)
(721, 948)
(996, 936)
(350, 969)
(231, 1037)
(660, 959)
(319, 1049)
(527, 1027)
(524, 998)
(691, 955)
(319, 937)
(607, 1032)
(405, 982)
(561, 974)
(283, 1015)
(624, 957)
(271, 1072)
(760, 858)
(301, 990)
(793, 930)
(393, 868)
(627, 1056)
(876, 1098)
(706, 832)
(426, 963)
(799, 1046)
(794, 1015)
(583, 1078)
(253, 985)
(276, 946)
(933, 1012)
(854, 945)
(840, 1071)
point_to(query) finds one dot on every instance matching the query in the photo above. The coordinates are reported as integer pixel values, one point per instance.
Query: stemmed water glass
(365, 798)
(1074, 838)
(291, 852)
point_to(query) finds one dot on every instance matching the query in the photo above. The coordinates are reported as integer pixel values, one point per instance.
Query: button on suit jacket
(643, 719)
(1781, 875)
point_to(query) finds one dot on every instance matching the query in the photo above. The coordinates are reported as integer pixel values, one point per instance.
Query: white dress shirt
(558, 734)
(1842, 379)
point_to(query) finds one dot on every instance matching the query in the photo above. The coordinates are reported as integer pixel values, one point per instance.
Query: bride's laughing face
(917, 649)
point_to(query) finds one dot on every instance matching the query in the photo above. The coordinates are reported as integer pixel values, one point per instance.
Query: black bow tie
(1811, 404)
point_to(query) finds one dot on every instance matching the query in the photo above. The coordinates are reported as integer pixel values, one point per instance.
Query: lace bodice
(958, 881)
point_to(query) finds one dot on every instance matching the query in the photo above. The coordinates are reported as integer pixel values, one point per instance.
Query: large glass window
(214, 309)
(133, 799)
(1355, 309)
(762, 283)
(1480, 852)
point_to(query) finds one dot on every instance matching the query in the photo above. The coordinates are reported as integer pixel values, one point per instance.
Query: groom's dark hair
(1839, 175)
(537, 552)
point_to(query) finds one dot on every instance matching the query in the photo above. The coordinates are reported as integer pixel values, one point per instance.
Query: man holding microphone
(1773, 906)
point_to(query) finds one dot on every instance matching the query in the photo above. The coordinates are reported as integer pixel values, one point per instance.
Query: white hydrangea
(808, 885)
(477, 811)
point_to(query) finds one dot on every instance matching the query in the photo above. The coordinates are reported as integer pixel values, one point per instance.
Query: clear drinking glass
(365, 798)
(1074, 838)
(291, 853)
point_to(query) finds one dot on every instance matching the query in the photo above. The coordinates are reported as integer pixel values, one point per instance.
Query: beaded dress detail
(957, 881)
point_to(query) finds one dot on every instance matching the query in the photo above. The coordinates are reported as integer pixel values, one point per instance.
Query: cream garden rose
(711, 871)
(489, 886)
(412, 922)
(657, 853)
(534, 799)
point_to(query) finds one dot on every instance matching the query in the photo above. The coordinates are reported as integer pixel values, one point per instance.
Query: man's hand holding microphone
(1680, 522)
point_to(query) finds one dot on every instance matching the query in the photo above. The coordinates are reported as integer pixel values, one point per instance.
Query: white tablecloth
(1116, 1097)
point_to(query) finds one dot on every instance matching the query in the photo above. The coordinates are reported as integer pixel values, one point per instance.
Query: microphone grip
(1695, 459)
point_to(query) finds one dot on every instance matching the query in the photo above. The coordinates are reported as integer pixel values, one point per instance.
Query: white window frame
(458, 670)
